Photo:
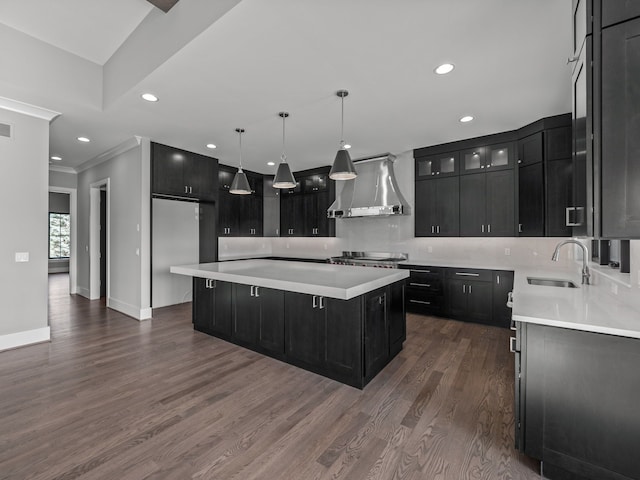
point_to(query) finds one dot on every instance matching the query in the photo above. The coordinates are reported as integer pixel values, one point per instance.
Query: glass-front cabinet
(443, 165)
(494, 157)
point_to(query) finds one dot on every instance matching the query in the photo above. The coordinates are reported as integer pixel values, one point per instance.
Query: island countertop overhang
(334, 281)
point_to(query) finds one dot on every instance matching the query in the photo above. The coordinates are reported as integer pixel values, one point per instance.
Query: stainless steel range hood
(374, 192)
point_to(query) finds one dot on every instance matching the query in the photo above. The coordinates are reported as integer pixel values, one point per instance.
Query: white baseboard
(84, 292)
(20, 339)
(128, 309)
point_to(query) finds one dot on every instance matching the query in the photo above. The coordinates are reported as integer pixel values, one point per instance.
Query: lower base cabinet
(577, 402)
(347, 340)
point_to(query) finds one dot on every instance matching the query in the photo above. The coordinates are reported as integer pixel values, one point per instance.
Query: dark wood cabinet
(437, 207)
(493, 157)
(396, 317)
(531, 150)
(620, 165)
(258, 318)
(442, 165)
(240, 215)
(303, 210)
(376, 332)
(424, 291)
(577, 402)
(559, 195)
(531, 200)
(212, 306)
(487, 204)
(305, 333)
(469, 295)
(502, 287)
(618, 11)
(177, 173)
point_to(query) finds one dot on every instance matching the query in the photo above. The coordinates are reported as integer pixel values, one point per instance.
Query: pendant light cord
(342, 124)
(240, 142)
(283, 157)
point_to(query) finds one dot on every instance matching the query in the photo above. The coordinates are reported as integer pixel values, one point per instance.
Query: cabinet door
(397, 319)
(502, 285)
(326, 227)
(343, 354)
(425, 208)
(500, 157)
(531, 200)
(473, 221)
(442, 165)
(620, 214)
(376, 335)
(530, 149)
(500, 197)
(246, 315)
(304, 329)
(479, 302)
(203, 304)
(167, 167)
(619, 11)
(559, 194)
(271, 328)
(579, 213)
(201, 176)
(557, 143)
(228, 214)
(291, 218)
(473, 160)
(448, 206)
(456, 305)
(309, 215)
(223, 313)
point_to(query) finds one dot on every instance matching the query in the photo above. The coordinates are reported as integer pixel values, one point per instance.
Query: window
(59, 235)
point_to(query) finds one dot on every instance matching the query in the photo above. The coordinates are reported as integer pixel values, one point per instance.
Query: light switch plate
(22, 256)
(507, 251)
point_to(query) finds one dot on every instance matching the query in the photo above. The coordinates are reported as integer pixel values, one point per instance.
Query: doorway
(99, 243)
(73, 209)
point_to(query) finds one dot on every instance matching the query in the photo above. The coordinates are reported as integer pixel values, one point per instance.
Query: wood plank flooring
(113, 398)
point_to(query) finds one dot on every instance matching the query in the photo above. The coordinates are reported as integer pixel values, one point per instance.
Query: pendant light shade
(284, 178)
(342, 168)
(240, 184)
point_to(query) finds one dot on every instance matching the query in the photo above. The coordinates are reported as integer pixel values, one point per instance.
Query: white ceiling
(264, 57)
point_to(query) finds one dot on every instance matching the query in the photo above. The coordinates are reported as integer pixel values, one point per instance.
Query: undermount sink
(551, 282)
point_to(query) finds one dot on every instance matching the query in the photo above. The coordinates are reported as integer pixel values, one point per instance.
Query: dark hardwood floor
(113, 398)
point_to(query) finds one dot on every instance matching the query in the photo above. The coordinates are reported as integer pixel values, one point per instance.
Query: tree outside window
(59, 235)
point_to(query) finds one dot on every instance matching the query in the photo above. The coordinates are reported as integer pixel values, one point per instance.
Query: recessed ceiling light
(444, 68)
(466, 118)
(56, 157)
(271, 164)
(149, 97)
(347, 146)
(211, 146)
(83, 139)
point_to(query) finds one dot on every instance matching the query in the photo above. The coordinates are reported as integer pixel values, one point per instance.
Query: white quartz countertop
(589, 307)
(335, 281)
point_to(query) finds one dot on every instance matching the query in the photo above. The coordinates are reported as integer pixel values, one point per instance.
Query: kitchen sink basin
(551, 282)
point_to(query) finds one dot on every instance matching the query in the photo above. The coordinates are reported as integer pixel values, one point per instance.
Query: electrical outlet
(614, 288)
(22, 257)
(507, 251)
(430, 249)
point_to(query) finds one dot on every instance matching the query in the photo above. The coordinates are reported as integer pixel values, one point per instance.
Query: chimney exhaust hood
(374, 192)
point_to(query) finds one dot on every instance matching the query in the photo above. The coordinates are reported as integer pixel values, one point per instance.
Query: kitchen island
(343, 322)
(577, 374)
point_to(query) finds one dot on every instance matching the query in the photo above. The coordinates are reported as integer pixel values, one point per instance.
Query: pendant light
(342, 168)
(284, 178)
(240, 184)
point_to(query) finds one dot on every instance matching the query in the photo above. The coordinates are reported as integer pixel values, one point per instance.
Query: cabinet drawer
(424, 304)
(475, 274)
(423, 272)
(433, 286)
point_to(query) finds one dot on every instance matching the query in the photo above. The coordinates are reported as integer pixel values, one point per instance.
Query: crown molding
(62, 168)
(28, 109)
(125, 146)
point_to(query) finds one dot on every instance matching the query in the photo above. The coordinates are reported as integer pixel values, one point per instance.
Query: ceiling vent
(5, 130)
(164, 5)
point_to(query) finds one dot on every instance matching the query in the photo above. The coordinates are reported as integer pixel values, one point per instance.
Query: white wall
(62, 179)
(24, 205)
(128, 235)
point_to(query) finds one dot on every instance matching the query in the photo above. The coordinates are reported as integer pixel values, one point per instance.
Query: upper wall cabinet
(442, 165)
(494, 157)
(618, 11)
(240, 215)
(180, 174)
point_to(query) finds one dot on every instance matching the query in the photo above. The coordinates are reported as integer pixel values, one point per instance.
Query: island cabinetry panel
(376, 332)
(212, 306)
(578, 402)
(181, 174)
(258, 318)
(397, 316)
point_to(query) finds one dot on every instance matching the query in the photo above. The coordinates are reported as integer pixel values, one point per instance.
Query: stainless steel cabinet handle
(463, 274)
(420, 301)
(470, 288)
(206, 283)
(415, 284)
(186, 189)
(252, 287)
(512, 345)
(489, 228)
(519, 228)
(438, 229)
(190, 190)
(498, 279)
(422, 271)
(321, 304)
(464, 288)
(257, 290)
(483, 228)
(433, 229)
(510, 301)
(315, 302)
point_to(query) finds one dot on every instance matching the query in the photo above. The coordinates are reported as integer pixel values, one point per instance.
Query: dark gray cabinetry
(177, 173)
(425, 290)
(376, 332)
(258, 318)
(577, 402)
(303, 210)
(494, 157)
(212, 306)
(445, 164)
(620, 164)
(531, 186)
(618, 11)
(437, 207)
(502, 287)
(469, 295)
(487, 204)
(240, 215)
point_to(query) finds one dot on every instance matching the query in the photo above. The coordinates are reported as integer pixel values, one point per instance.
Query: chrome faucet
(585, 258)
